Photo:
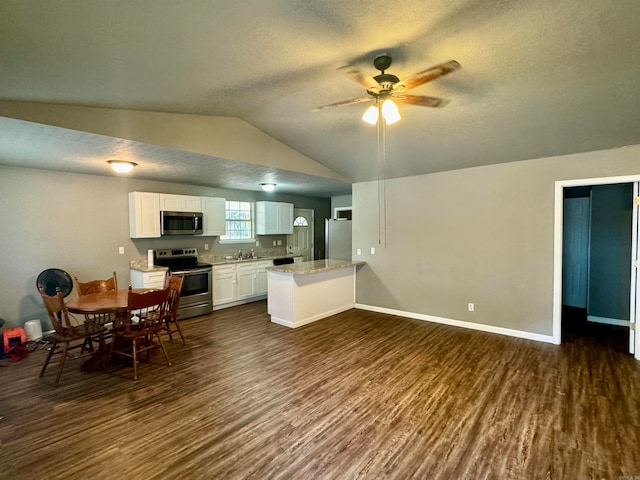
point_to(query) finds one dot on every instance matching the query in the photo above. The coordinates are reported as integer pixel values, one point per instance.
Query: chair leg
(167, 326)
(164, 350)
(110, 355)
(102, 348)
(62, 360)
(179, 331)
(49, 355)
(87, 345)
(135, 360)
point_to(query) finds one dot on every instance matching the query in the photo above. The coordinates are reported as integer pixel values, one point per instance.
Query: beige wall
(481, 235)
(77, 222)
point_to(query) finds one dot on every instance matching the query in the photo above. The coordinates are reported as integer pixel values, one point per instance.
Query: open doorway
(596, 266)
(596, 306)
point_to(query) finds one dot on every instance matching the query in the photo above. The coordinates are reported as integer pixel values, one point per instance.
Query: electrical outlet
(373, 250)
(358, 251)
(279, 243)
(206, 246)
(121, 250)
(274, 243)
(471, 307)
(257, 243)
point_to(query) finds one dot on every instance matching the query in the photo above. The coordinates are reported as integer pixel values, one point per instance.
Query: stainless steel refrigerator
(337, 238)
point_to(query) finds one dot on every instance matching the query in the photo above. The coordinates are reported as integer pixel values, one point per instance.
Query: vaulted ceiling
(539, 78)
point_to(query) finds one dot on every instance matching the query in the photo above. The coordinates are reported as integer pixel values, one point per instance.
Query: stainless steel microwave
(181, 223)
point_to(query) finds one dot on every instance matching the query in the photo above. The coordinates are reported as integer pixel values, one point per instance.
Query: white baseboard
(608, 321)
(460, 323)
(313, 318)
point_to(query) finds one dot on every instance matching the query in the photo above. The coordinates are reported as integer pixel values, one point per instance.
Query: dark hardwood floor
(357, 395)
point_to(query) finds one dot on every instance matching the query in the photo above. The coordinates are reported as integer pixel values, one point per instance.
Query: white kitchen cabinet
(274, 218)
(152, 279)
(180, 203)
(213, 216)
(237, 283)
(246, 278)
(224, 284)
(261, 276)
(144, 215)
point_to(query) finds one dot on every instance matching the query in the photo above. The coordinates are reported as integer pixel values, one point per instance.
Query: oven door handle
(192, 272)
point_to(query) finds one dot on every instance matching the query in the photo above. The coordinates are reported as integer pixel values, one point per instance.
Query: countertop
(142, 266)
(306, 268)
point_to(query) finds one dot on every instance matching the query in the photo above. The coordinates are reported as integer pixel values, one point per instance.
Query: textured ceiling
(539, 78)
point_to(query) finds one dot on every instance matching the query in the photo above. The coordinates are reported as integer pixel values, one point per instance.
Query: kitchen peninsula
(302, 293)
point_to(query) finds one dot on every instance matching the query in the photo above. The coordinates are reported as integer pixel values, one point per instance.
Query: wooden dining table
(114, 301)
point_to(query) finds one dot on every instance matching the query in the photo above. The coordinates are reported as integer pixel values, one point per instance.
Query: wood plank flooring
(359, 395)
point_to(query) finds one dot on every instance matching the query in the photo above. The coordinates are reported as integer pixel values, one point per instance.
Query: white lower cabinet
(246, 275)
(261, 277)
(154, 279)
(224, 284)
(239, 282)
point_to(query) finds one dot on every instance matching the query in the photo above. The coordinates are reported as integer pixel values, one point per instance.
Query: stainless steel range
(197, 297)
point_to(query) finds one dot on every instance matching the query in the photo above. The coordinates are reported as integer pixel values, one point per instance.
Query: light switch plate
(359, 251)
(121, 250)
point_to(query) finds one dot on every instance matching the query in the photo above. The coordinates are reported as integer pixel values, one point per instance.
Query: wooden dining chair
(67, 337)
(97, 286)
(134, 338)
(171, 317)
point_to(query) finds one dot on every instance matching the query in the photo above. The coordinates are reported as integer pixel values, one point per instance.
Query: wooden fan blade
(344, 102)
(367, 81)
(427, 75)
(422, 100)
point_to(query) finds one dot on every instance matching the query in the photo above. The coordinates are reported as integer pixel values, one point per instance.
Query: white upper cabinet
(180, 203)
(213, 216)
(274, 218)
(144, 215)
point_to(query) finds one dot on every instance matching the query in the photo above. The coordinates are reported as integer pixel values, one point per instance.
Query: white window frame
(223, 240)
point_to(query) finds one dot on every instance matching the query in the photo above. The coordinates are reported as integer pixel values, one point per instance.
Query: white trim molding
(608, 321)
(460, 323)
(558, 220)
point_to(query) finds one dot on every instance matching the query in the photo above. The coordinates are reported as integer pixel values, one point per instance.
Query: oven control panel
(177, 252)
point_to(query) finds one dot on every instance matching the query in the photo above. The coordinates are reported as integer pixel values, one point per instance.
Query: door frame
(312, 225)
(558, 215)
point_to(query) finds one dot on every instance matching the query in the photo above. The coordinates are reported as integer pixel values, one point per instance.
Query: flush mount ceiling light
(268, 187)
(122, 166)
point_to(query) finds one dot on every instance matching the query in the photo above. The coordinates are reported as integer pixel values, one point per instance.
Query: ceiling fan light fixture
(390, 112)
(371, 115)
(268, 187)
(122, 166)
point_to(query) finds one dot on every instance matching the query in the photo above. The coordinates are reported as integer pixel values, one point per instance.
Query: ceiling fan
(386, 86)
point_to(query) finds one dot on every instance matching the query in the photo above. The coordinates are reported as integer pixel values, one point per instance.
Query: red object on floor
(13, 337)
(18, 353)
